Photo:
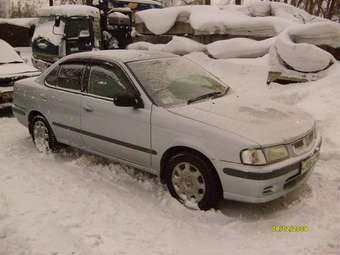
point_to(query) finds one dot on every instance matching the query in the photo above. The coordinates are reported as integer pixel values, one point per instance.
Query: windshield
(174, 81)
(77, 27)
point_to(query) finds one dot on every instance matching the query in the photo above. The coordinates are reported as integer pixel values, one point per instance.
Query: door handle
(43, 97)
(88, 108)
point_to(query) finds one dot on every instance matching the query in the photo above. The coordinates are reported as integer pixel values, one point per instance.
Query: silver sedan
(166, 115)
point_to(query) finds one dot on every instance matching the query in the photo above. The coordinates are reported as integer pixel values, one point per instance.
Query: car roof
(123, 56)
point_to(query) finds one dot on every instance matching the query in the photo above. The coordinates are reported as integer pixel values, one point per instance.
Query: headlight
(265, 156)
(253, 157)
(276, 153)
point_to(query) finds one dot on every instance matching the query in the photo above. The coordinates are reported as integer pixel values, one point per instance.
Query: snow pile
(211, 20)
(262, 19)
(239, 48)
(260, 9)
(223, 49)
(8, 54)
(69, 10)
(178, 45)
(321, 33)
(295, 52)
(15, 70)
(291, 13)
(20, 22)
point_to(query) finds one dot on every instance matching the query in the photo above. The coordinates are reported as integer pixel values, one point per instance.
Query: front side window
(174, 81)
(108, 82)
(70, 76)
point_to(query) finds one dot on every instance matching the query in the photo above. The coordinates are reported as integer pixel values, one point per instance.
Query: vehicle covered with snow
(12, 68)
(68, 29)
(164, 114)
(63, 30)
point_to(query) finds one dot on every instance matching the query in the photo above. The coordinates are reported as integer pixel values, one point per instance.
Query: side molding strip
(107, 139)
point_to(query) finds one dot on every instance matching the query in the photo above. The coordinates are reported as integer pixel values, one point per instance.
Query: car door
(120, 132)
(64, 99)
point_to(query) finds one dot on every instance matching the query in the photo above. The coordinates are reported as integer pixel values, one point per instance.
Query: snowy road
(76, 203)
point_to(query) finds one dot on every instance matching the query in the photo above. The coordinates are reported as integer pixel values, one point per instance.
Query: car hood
(263, 122)
(17, 70)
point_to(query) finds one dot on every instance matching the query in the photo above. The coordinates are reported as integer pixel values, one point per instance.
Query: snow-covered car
(12, 68)
(164, 114)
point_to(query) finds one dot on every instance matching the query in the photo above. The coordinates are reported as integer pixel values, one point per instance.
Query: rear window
(52, 77)
(70, 76)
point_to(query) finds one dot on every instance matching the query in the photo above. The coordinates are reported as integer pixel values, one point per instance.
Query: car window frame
(81, 90)
(107, 65)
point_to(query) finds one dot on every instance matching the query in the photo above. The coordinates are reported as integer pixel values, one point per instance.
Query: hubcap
(40, 133)
(188, 182)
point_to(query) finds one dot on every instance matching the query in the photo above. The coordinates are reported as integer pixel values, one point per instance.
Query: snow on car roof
(69, 10)
(122, 55)
(8, 54)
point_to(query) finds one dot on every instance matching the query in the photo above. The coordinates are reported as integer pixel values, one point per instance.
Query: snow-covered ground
(76, 203)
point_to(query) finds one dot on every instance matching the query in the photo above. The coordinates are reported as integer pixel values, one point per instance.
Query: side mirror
(128, 101)
(57, 21)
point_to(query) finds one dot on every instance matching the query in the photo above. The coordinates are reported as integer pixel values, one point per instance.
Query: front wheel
(43, 136)
(193, 182)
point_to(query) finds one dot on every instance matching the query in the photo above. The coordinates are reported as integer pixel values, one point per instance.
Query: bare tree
(329, 9)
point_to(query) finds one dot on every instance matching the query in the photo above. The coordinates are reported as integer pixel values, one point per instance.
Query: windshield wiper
(211, 94)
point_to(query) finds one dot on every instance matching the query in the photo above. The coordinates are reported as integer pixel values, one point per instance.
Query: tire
(42, 135)
(201, 189)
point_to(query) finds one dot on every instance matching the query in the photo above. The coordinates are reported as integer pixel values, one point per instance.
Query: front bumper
(259, 184)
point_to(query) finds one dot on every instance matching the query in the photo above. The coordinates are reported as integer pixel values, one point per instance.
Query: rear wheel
(43, 136)
(193, 182)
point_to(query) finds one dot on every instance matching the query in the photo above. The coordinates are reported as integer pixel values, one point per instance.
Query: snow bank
(69, 10)
(20, 22)
(8, 54)
(223, 49)
(178, 45)
(239, 48)
(305, 57)
(257, 19)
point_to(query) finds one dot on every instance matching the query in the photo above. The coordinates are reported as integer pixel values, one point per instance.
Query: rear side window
(70, 76)
(108, 82)
(52, 77)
